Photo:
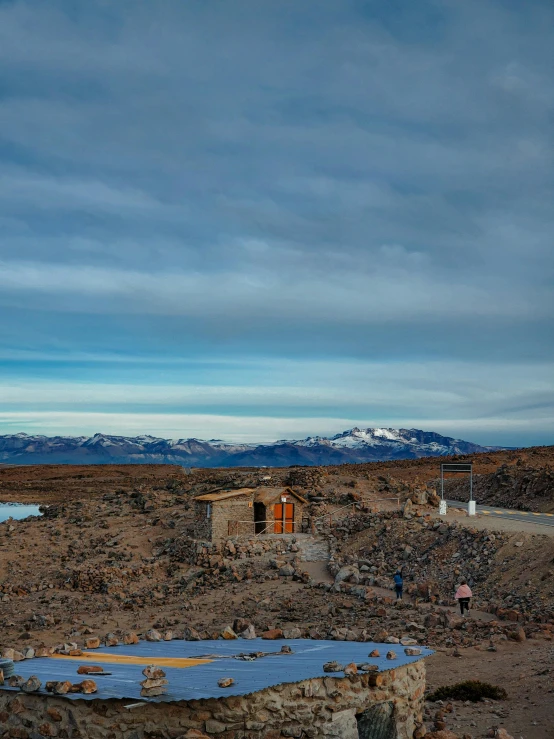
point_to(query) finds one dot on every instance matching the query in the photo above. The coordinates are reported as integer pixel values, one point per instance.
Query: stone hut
(278, 694)
(248, 511)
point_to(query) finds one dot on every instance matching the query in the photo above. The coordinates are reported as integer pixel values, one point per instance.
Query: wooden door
(284, 519)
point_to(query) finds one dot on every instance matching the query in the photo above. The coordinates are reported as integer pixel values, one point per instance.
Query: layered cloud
(269, 184)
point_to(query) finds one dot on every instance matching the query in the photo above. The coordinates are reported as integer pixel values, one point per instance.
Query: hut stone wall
(361, 706)
(229, 517)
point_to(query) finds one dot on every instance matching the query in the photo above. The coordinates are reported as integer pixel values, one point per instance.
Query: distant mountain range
(355, 445)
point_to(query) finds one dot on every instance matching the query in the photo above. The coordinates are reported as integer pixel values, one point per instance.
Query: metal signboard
(456, 467)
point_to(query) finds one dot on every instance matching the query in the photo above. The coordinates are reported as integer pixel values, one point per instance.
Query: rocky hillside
(511, 486)
(352, 446)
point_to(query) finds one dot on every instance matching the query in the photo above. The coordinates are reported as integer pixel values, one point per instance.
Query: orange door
(284, 519)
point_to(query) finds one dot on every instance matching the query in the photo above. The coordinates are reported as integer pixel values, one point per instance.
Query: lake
(17, 511)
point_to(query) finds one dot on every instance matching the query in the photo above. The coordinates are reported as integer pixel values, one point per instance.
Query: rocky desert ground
(114, 552)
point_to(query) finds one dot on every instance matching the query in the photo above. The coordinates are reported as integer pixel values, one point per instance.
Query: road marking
(536, 514)
(549, 514)
(499, 512)
(523, 513)
(487, 513)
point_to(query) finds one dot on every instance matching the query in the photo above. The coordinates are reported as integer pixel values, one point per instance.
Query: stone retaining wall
(330, 707)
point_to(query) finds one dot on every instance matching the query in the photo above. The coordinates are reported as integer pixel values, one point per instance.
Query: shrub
(469, 690)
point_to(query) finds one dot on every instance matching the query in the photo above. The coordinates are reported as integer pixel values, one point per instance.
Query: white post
(471, 508)
(442, 508)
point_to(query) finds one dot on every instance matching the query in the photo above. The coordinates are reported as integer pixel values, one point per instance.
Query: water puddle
(17, 511)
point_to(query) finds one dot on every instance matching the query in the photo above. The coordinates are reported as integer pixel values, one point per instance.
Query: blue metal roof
(200, 681)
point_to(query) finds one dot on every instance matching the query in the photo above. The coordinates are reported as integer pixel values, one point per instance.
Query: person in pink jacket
(463, 596)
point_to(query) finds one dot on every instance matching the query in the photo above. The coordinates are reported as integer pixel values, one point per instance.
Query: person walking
(398, 584)
(463, 596)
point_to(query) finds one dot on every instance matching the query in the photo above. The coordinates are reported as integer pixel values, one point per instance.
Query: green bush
(469, 690)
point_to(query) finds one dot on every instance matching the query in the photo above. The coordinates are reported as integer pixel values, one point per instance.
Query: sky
(254, 221)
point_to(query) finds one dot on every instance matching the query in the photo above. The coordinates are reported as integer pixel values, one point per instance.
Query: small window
(209, 510)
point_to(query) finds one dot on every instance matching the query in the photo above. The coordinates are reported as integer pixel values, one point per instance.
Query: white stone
(343, 725)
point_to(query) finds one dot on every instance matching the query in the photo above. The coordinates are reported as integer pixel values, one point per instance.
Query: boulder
(333, 666)
(152, 692)
(158, 683)
(225, 682)
(240, 625)
(287, 570)
(31, 685)
(89, 669)
(272, 634)
(153, 672)
(249, 632)
(348, 573)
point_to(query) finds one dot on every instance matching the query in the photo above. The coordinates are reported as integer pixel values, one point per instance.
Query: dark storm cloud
(311, 180)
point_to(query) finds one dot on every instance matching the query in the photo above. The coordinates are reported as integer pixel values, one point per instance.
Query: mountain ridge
(350, 446)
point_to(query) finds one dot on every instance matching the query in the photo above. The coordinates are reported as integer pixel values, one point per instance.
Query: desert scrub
(469, 690)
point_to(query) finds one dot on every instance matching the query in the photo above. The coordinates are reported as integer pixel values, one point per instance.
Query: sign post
(458, 467)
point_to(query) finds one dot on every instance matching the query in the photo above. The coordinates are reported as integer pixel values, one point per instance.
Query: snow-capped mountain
(355, 445)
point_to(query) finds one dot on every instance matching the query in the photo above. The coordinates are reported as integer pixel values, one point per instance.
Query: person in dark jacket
(398, 585)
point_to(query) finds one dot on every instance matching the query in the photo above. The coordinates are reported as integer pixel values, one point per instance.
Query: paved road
(543, 519)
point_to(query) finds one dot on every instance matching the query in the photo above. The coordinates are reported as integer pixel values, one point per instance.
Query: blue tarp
(200, 681)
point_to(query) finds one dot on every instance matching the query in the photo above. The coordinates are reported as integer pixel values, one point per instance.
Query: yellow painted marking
(487, 513)
(127, 659)
(548, 514)
(499, 512)
(537, 514)
(523, 513)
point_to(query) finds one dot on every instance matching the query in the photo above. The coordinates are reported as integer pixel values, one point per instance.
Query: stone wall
(230, 517)
(202, 524)
(334, 708)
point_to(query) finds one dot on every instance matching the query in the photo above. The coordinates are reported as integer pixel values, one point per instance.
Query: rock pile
(154, 682)
(434, 556)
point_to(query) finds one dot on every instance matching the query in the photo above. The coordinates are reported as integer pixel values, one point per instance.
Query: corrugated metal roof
(215, 496)
(200, 681)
